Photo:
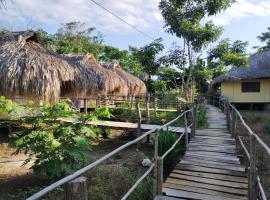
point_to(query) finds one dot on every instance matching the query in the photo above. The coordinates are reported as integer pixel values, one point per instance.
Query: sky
(244, 20)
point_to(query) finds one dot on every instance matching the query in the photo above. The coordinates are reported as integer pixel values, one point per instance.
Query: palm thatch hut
(105, 83)
(28, 70)
(248, 85)
(136, 87)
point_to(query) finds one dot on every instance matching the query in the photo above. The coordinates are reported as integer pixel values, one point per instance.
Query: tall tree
(147, 57)
(265, 38)
(176, 58)
(225, 54)
(184, 19)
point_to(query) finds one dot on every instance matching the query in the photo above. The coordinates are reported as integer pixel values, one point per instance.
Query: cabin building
(247, 87)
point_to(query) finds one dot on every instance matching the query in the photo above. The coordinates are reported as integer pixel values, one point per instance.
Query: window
(251, 86)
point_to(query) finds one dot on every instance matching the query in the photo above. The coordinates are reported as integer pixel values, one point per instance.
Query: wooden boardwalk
(127, 125)
(210, 168)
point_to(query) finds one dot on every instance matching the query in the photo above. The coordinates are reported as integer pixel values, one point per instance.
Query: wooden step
(212, 176)
(193, 195)
(200, 190)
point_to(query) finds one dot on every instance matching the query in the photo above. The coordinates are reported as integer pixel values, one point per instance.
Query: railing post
(156, 167)
(233, 123)
(139, 120)
(155, 106)
(194, 121)
(85, 105)
(77, 189)
(147, 99)
(252, 178)
(186, 131)
(159, 164)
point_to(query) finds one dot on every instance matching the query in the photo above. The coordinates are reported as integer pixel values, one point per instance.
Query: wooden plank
(193, 195)
(214, 138)
(126, 125)
(217, 154)
(201, 190)
(211, 158)
(212, 176)
(194, 144)
(209, 170)
(207, 141)
(209, 181)
(214, 163)
(166, 198)
(216, 166)
(212, 149)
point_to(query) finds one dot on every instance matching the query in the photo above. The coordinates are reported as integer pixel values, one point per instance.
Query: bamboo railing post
(186, 131)
(194, 121)
(159, 164)
(77, 189)
(85, 105)
(234, 123)
(252, 182)
(155, 106)
(155, 160)
(139, 120)
(147, 100)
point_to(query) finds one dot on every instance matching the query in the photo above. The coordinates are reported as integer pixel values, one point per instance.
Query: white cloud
(21, 14)
(243, 9)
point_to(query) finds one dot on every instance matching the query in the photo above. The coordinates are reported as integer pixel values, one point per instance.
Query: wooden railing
(157, 163)
(234, 118)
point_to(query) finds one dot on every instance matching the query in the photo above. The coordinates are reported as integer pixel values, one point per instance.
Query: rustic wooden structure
(211, 168)
(156, 165)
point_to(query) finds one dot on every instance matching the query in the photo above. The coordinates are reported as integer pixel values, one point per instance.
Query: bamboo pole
(252, 182)
(139, 116)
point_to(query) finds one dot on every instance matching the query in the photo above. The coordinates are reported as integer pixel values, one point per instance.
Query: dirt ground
(108, 181)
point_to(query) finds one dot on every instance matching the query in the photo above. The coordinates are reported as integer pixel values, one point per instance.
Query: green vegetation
(104, 188)
(165, 142)
(259, 119)
(57, 148)
(202, 118)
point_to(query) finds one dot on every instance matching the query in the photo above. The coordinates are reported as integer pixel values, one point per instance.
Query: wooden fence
(234, 118)
(76, 187)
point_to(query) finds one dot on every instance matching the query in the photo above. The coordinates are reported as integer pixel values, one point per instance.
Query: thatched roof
(29, 70)
(136, 86)
(259, 67)
(105, 83)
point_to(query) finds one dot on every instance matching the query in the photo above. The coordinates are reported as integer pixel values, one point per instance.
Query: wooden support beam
(139, 116)
(85, 105)
(159, 164)
(252, 176)
(194, 121)
(77, 189)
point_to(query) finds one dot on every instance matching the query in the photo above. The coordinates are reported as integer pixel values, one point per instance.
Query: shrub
(165, 142)
(143, 191)
(105, 132)
(59, 149)
(202, 118)
(266, 126)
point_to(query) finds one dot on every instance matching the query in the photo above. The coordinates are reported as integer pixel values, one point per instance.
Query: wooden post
(85, 105)
(234, 123)
(76, 189)
(159, 164)
(186, 132)
(194, 121)
(252, 178)
(139, 120)
(155, 160)
(147, 114)
(97, 103)
(147, 108)
(155, 106)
